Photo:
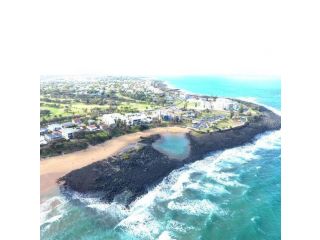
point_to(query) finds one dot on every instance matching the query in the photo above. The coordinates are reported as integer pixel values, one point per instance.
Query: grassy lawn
(226, 123)
(59, 109)
(179, 103)
(75, 108)
(136, 106)
(214, 113)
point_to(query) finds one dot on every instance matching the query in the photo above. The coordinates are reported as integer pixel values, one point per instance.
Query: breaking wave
(196, 191)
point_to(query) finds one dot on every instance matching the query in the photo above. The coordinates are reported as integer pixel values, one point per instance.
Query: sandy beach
(55, 167)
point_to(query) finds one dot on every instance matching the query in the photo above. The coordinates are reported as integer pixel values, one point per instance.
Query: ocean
(231, 194)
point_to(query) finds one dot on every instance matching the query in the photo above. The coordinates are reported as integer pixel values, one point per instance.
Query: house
(54, 127)
(43, 131)
(68, 133)
(76, 121)
(53, 137)
(137, 118)
(200, 104)
(171, 114)
(225, 104)
(92, 128)
(91, 122)
(203, 104)
(189, 114)
(153, 114)
(110, 119)
(68, 125)
(43, 141)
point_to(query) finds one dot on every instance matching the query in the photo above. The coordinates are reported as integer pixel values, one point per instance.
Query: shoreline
(53, 168)
(147, 166)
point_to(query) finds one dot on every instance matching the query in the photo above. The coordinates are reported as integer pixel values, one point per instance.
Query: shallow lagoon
(176, 146)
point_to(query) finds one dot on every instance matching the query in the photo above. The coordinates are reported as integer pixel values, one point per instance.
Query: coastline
(53, 168)
(147, 166)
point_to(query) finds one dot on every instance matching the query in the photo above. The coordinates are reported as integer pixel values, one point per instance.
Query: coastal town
(76, 113)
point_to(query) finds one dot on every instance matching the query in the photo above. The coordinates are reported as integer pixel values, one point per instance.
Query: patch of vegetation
(94, 138)
(59, 148)
(224, 124)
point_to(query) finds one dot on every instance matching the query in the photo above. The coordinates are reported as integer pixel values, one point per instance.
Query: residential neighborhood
(76, 113)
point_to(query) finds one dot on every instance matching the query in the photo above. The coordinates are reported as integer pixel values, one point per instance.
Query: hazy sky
(160, 38)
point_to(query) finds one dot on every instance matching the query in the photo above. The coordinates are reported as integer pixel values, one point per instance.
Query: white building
(54, 127)
(156, 114)
(200, 104)
(137, 118)
(225, 104)
(92, 128)
(204, 105)
(110, 119)
(43, 141)
(68, 133)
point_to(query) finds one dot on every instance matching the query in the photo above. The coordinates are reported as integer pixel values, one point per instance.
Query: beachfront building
(189, 115)
(199, 104)
(76, 121)
(171, 114)
(53, 137)
(91, 122)
(54, 127)
(225, 104)
(137, 118)
(110, 119)
(43, 141)
(92, 128)
(205, 105)
(68, 125)
(43, 131)
(68, 133)
(154, 115)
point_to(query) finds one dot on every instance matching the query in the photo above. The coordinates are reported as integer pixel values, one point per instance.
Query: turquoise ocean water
(232, 194)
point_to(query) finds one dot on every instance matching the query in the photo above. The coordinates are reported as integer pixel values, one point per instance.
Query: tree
(185, 106)
(241, 108)
(45, 112)
(231, 114)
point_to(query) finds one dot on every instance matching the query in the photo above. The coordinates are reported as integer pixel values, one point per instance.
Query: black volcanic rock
(136, 170)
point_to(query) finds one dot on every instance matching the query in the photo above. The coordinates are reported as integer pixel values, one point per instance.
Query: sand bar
(55, 167)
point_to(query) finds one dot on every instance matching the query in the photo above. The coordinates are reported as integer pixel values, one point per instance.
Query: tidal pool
(176, 146)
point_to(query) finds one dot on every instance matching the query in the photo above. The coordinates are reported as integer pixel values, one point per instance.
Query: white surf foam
(146, 218)
(195, 207)
(52, 210)
(141, 220)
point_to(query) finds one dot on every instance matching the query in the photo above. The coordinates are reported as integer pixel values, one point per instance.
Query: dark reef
(137, 169)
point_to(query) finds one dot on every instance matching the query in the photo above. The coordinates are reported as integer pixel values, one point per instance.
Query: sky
(160, 38)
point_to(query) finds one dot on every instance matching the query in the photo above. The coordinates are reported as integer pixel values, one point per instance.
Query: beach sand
(55, 167)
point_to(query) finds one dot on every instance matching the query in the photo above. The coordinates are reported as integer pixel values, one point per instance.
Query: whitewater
(196, 193)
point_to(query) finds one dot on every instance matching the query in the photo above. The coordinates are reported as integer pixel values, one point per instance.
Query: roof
(76, 120)
(68, 124)
(42, 140)
(54, 125)
(54, 136)
(92, 126)
(69, 130)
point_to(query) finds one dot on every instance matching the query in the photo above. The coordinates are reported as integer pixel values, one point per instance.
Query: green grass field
(137, 106)
(64, 110)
